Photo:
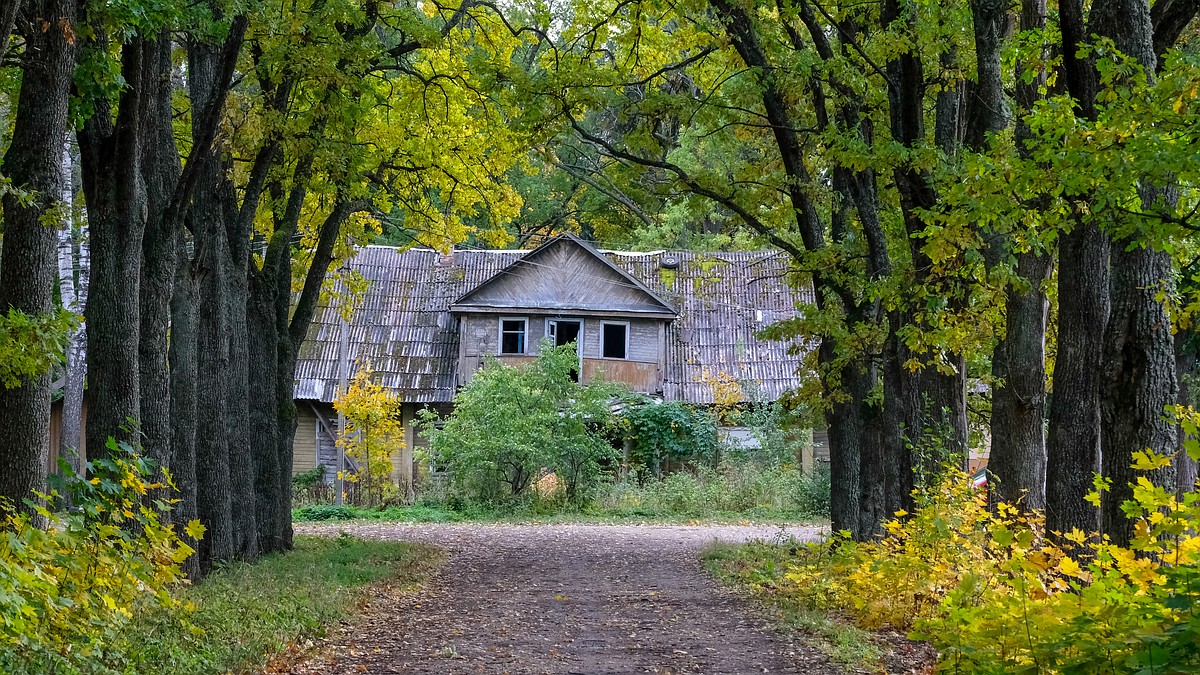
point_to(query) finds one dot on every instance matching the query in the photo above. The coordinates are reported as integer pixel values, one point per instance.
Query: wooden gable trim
(463, 304)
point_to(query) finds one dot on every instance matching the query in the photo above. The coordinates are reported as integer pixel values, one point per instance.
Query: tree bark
(116, 201)
(1186, 357)
(1139, 382)
(184, 373)
(73, 268)
(1017, 460)
(33, 163)
(1139, 351)
(1073, 444)
(214, 492)
(161, 170)
(1018, 453)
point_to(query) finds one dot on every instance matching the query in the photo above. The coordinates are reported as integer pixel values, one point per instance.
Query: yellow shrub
(67, 591)
(995, 595)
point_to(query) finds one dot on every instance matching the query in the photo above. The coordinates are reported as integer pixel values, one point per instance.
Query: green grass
(444, 514)
(246, 613)
(757, 569)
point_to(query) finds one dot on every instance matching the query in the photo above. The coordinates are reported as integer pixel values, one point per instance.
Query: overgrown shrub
(68, 591)
(668, 431)
(996, 595)
(511, 426)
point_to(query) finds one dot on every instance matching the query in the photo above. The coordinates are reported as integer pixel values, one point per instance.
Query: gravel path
(564, 599)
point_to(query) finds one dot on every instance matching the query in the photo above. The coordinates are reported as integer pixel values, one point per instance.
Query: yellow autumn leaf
(195, 529)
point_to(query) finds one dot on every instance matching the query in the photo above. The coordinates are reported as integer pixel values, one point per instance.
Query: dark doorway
(565, 332)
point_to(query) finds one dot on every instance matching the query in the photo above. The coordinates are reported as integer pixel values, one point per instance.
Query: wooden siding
(642, 370)
(641, 377)
(304, 446)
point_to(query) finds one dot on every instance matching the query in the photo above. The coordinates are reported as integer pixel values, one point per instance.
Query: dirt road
(564, 599)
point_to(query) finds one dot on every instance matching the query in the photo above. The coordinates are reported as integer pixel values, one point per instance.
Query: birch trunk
(73, 270)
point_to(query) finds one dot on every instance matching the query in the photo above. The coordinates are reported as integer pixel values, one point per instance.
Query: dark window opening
(614, 340)
(512, 336)
(566, 333)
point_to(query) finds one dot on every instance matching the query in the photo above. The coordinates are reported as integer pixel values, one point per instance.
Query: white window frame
(524, 336)
(603, 339)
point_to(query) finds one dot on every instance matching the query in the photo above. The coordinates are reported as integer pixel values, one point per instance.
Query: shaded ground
(564, 599)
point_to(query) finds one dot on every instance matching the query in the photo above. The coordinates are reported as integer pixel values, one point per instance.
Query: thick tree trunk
(1073, 445)
(214, 492)
(264, 419)
(1139, 351)
(33, 164)
(238, 414)
(183, 346)
(1018, 453)
(846, 439)
(1017, 460)
(1139, 380)
(116, 201)
(161, 169)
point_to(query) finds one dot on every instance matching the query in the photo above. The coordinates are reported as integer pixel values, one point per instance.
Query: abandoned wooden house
(657, 321)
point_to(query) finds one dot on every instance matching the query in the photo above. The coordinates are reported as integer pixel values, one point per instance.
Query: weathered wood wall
(642, 370)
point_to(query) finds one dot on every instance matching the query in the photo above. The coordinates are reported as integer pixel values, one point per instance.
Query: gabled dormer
(566, 291)
(565, 274)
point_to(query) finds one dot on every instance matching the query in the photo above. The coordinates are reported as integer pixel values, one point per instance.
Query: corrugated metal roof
(405, 329)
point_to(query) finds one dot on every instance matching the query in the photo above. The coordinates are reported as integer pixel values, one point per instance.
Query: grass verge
(246, 613)
(441, 514)
(757, 569)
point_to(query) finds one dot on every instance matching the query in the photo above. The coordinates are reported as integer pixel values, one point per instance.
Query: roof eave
(563, 311)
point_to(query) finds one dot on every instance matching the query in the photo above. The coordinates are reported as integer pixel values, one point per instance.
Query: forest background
(994, 202)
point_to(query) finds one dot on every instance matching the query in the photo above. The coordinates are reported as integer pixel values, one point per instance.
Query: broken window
(614, 340)
(512, 336)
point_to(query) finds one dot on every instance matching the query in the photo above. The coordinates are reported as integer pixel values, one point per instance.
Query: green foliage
(511, 425)
(244, 614)
(69, 591)
(668, 431)
(31, 345)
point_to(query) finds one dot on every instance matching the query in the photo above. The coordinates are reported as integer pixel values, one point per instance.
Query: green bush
(668, 431)
(70, 590)
(512, 426)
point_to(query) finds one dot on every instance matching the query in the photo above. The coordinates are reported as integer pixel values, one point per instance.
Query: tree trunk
(264, 419)
(846, 439)
(33, 164)
(1186, 357)
(73, 267)
(1139, 381)
(161, 169)
(182, 354)
(116, 201)
(1139, 350)
(1073, 444)
(214, 492)
(1018, 453)
(238, 414)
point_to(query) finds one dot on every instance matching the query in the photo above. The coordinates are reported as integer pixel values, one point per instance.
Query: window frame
(524, 336)
(604, 339)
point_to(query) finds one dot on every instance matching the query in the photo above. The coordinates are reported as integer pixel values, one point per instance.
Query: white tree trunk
(73, 268)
